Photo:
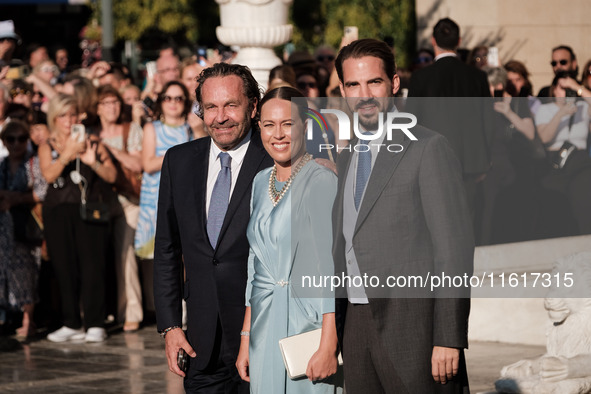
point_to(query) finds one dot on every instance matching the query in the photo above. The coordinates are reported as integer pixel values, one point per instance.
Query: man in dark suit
(203, 211)
(396, 215)
(466, 123)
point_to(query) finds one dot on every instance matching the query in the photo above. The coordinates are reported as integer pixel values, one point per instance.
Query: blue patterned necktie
(363, 171)
(220, 198)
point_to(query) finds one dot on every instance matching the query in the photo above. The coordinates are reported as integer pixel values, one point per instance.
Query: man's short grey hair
(496, 75)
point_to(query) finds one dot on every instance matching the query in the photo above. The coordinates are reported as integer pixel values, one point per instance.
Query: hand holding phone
(493, 57)
(78, 132)
(182, 360)
(351, 33)
(151, 69)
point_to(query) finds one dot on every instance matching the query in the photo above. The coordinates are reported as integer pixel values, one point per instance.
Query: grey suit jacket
(413, 220)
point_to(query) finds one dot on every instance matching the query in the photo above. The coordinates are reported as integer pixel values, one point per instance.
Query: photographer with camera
(563, 126)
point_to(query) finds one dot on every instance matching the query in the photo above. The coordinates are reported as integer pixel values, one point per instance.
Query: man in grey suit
(398, 215)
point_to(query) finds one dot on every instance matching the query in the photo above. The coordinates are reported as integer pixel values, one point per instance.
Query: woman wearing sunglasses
(21, 185)
(172, 106)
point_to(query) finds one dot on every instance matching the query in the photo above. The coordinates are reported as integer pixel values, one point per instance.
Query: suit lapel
(255, 155)
(200, 183)
(343, 164)
(384, 168)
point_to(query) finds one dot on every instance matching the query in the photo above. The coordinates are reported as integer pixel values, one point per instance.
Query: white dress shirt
(237, 154)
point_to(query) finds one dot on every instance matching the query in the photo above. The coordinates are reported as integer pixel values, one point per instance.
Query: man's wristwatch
(166, 330)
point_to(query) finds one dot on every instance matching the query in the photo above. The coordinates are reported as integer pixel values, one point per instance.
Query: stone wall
(524, 30)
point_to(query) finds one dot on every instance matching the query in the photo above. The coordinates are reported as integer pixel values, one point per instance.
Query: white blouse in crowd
(579, 128)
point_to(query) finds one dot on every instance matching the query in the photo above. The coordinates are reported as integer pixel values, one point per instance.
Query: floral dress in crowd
(19, 262)
(166, 137)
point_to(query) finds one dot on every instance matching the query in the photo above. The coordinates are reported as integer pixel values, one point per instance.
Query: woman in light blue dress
(290, 235)
(172, 107)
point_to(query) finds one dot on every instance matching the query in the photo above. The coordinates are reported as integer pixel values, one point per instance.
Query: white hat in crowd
(7, 30)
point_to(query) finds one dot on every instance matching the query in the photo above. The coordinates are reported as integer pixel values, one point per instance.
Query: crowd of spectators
(95, 195)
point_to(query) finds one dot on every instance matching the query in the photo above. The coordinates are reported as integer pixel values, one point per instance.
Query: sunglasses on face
(176, 99)
(49, 69)
(11, 139)
(562, 62)
(324, 58)
(306, 85)
(6, 39)
(15, 92)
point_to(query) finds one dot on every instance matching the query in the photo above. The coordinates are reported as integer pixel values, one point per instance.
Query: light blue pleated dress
(166, 137)
(287, 242)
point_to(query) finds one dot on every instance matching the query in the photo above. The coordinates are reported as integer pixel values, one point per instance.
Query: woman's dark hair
(38, 117)
(285, 72)
(14, 125)
(584, 75)
(187, 102)
(18, 111)
(286, 93)
(518, 68)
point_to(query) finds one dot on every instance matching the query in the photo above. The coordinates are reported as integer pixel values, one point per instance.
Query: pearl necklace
(276, 195)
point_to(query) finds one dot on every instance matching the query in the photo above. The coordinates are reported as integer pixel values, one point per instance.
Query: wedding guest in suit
(203, 211)
(465, 123)
(396, 214)
(291, 208)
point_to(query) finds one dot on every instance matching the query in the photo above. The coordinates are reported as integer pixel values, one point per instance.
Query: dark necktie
(220, 198)
(363, 170)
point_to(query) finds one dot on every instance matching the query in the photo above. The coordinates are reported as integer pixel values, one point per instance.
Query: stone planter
(256, 26)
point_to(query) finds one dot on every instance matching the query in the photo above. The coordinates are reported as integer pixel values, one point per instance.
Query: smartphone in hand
(78, 132)
(351, 32)
(182, 360)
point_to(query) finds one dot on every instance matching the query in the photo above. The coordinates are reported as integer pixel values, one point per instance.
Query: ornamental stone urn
(256, 26)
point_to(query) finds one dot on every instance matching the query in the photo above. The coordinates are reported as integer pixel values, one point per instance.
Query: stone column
(256, 26)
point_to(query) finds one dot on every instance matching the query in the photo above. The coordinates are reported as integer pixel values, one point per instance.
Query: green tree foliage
(134, 18)
(317, 23)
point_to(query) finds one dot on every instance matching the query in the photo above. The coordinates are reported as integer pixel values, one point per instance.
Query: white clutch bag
(297, 350)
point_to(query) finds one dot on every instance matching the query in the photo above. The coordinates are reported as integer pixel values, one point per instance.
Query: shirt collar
(445, 54)
(237, 153)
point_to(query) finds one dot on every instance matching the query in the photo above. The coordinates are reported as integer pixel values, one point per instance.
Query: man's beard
(369, 123)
